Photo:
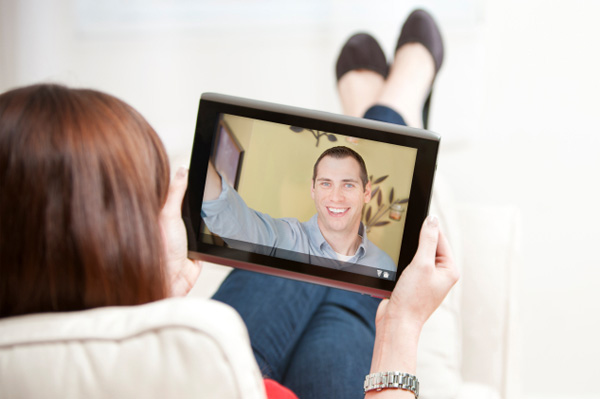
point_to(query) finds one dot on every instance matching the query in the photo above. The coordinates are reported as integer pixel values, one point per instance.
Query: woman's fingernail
(433, 221)
(182, 171)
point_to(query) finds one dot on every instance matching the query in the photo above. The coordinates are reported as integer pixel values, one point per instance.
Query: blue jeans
(384, 114)
(315, 340)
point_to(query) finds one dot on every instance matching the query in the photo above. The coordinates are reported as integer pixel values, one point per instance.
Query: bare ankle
(359, 90)
(409, 82)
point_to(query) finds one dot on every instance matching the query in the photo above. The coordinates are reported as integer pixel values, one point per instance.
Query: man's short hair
(341, 152)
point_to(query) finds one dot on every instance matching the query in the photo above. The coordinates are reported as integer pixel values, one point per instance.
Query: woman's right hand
(420, 290)
(425, 282)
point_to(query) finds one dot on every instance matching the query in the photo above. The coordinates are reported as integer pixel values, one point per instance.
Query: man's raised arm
(227, 215)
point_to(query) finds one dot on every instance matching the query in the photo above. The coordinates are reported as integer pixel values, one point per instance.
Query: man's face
(339, 195)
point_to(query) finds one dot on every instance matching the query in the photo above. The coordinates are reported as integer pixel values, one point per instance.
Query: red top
(277, 391)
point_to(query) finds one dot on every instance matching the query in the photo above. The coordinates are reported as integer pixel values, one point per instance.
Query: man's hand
(181, 273)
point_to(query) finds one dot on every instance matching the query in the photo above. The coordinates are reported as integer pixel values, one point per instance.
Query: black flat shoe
(361, 51)
(420, 27)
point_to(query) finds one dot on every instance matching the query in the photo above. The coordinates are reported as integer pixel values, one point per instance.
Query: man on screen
(340, 190)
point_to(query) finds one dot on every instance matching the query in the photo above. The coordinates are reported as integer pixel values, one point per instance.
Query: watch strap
(392, 379)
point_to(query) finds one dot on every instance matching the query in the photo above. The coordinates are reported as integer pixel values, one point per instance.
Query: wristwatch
(392, 379)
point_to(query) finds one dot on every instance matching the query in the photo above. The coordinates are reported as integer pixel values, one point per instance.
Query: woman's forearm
(395, 349)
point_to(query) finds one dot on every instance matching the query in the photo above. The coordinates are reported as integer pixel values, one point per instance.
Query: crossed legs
(317, 341)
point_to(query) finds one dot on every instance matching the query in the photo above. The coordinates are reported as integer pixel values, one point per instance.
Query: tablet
(292, 198)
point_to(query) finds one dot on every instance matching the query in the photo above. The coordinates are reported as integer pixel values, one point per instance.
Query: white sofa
(195, 347)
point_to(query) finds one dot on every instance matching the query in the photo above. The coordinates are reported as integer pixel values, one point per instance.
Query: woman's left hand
(181, 272)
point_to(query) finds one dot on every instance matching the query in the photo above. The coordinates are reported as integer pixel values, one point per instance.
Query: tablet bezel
(213, 105)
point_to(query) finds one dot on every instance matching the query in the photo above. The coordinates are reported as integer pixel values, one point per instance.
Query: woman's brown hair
(83, 177)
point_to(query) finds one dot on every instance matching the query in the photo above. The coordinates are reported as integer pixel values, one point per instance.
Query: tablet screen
(311, 197)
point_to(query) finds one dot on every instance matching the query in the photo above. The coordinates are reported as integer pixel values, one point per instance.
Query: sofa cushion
(184, 347)
(489, 295)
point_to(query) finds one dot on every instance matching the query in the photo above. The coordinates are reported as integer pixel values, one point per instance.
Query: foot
(409, 82)
(419, 56)
(359, 90)
(361, 69)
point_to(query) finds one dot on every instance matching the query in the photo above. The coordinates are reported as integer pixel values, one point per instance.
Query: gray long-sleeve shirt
(229, 217)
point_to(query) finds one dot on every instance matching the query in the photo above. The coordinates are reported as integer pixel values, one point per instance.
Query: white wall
(516, 103)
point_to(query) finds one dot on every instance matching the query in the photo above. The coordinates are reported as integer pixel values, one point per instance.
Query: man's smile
(337, 212)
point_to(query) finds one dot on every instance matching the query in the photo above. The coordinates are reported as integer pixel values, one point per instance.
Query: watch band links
(392, 379)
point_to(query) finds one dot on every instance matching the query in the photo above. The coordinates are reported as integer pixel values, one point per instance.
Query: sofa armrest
(184, 348)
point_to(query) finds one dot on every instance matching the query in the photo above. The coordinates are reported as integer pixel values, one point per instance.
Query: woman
(88, 219)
